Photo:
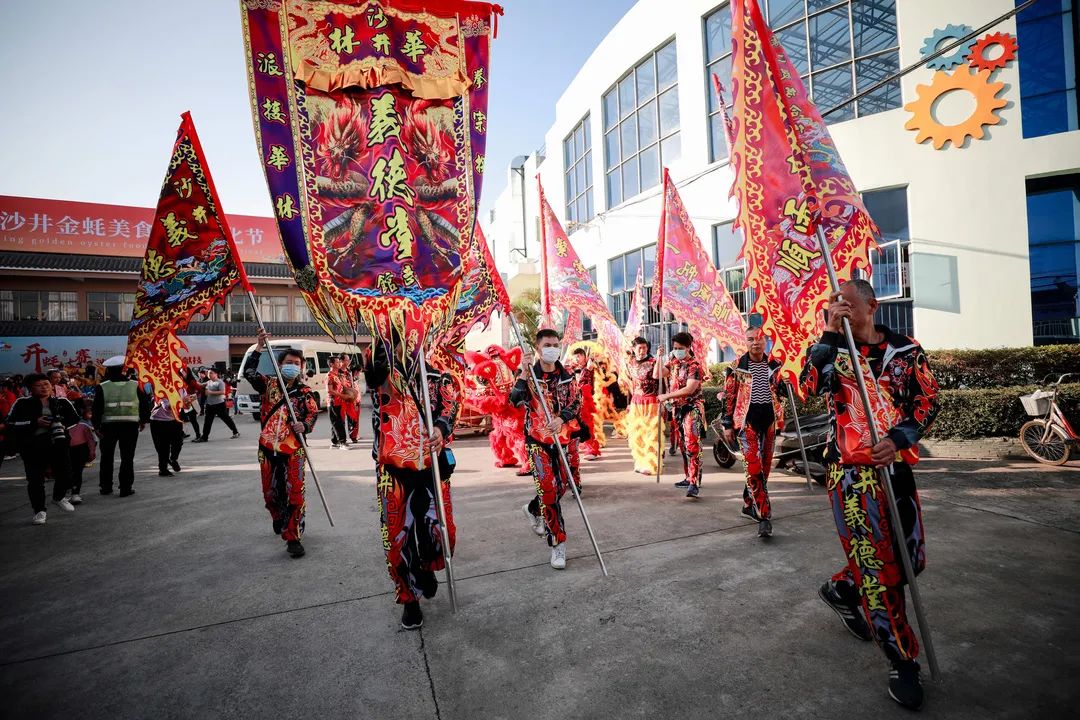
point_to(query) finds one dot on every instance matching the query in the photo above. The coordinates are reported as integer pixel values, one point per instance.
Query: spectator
(7, 399)
(121, 411)
(168, 435)
(215, 406)
(188, 413)
(59, 387)
(201, 393)
(83, 448)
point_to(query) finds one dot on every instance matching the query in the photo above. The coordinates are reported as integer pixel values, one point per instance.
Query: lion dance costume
(492, 377)
(643, 418)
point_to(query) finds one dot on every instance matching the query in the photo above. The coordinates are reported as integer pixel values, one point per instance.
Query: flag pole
(884, 474)
(562, 451)
(288, 404)
(802, 443)
(440, 505)
(660, 387)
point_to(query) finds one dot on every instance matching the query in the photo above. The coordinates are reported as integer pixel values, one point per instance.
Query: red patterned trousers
(689, 429)
(550, 479)
(757, 450)
(411, 535)
(283, 490)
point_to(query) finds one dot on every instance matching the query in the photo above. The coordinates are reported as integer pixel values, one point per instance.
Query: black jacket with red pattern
(563, 399)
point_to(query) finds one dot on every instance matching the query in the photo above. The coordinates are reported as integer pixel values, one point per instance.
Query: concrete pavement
(179, 602)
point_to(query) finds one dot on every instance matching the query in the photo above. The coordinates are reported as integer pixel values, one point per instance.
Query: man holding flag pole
(806, 233)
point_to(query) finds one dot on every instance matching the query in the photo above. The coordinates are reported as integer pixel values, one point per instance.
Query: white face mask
(550, 354)
(679, 354)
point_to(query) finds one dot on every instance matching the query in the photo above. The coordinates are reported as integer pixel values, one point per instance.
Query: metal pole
(660, 406)
(802, 443)
(440, 506)
(562, 451)
(288, 404)
(883, 473)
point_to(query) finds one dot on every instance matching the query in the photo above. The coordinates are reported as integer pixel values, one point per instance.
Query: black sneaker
(749, 512)
(427, 582)
(278, 524)
(905, 687)
(175, 465)
(683, 484)
(412, 618)
(199, 439)
(850, 615)
(235, 435)
(164, 473)
(105, 491)
(294, 548)
(764, 529)
(127, 493)
(692, 492)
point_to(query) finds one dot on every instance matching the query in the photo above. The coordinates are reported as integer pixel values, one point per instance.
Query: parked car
(317, 354)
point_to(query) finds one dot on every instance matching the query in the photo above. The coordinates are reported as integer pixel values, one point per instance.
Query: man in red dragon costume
(493, 373)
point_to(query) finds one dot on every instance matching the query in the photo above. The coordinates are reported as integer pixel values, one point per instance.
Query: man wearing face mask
(562, 396)
(685, 374)
(585, 373)
(753, 412)
(643, 419)
(281, 454)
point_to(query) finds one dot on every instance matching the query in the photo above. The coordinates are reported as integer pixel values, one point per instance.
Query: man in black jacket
(121, 411)
(39, 423)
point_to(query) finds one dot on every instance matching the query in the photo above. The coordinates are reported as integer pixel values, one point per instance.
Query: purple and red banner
(482, 292)
(371, 122)
(789, 180)
(190, 264)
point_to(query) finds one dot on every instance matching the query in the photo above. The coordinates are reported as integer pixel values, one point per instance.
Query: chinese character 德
(183, 187)
(414, 47)
(278, 158)
(176, 231)
(268, 64)
(398, 234)
(388, 179)
(864, 553)
(341, 41)
(286, 207)
(272, 111)
(854, 515)
(381, 42)
(156, 266)
(384, 120)
(795, 257)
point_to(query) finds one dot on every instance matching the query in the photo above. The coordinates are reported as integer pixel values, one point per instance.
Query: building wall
(966, 206)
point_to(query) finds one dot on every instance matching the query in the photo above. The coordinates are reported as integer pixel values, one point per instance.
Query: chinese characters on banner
(789, 179)
(190, 264)
(371, 124)
(24, 355)
(687, 284)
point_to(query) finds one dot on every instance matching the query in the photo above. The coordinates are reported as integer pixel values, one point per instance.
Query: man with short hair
(59, 384)
(121, 411)
(753, 412)
(39, 423)
(562, 397)
(685, 374)
(903, 394)
(643, 418)
(337, 386)
(281, 452)
(215, 406)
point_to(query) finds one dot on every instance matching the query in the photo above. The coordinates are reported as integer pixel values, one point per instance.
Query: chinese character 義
(854, 515)
(176, 230)
(278, 158)
(795, 257)
(341, 41)
(272, 111)
(398, 234)
(388, 179)
(384, 120)
(268, 64)
(414, 47)
(286, 207)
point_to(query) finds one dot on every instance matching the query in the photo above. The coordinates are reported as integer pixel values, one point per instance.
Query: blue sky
(93, 93)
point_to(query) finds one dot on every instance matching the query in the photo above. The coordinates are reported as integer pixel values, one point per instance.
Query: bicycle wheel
(1053, 451)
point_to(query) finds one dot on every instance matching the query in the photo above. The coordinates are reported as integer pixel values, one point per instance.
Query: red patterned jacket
(562, 394)
(276, 434)
(737, 387)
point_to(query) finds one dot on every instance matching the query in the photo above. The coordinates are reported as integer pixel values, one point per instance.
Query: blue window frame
(1047, 35)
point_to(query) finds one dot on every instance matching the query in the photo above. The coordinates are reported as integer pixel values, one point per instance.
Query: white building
(982, 241)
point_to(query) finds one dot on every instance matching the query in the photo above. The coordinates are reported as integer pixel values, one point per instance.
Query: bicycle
(1049, 438)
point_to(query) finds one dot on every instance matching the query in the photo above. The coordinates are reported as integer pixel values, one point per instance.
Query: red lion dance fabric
(789, 180)
(493, 373)
(190, 264)
(371, 118)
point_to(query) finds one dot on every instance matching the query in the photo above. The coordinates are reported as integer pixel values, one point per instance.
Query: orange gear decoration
(986, 106)
(977, 57)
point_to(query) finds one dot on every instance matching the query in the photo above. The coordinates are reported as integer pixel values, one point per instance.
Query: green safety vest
(121, 401)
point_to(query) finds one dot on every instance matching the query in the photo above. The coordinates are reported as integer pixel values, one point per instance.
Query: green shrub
(994, 412)
(1002, 367)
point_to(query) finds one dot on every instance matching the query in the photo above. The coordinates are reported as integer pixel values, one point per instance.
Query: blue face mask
(290, 372)
(679, 354)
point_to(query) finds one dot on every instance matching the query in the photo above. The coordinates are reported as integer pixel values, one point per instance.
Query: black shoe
(126, 493)
(163, 473)
(749, 512)
(186, 436)
(412, 618)
(683, 484)
(105, 491)
(905, 687)
(235, 435)
(175, 465)
(764, 529)
(850, 614)
(692, 491)
(278, 524)
(294, 548)
(199, 439)
(427, 582)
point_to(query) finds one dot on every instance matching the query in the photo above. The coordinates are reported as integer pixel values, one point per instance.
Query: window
(273, 308)
(35, 305)
(889, 210)
(726, 244)
(734, 277)
(240, 309)
(1053, 206)
(219, 313)
(1047, 34)
(641, 126)
(577, 159)
(109, 306)
(301, 311)
(839, 47)
(622, 276)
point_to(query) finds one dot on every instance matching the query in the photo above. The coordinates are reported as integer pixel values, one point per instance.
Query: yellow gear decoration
(986, 106)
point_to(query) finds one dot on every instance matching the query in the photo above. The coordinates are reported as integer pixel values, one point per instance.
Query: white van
(317, 354)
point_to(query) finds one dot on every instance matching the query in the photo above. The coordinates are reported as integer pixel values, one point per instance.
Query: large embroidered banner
(371, 118)
(482, 291)
(635, 319)
(190, 264)
(687, 284)
(789, 180)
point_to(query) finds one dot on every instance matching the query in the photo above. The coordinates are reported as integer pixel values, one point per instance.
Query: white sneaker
(536, 521)
(39, 518)
(64, 505)
(75, 499)
(558, 556)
